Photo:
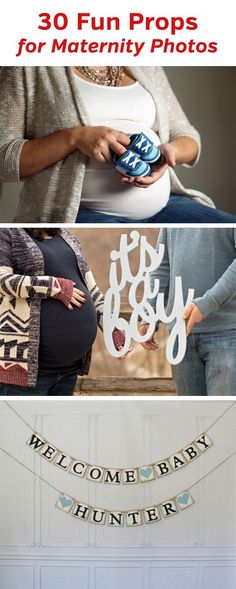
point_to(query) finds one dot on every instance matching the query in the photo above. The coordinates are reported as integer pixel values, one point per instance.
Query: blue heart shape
(65, 501)
(146, 472)
(183, 499)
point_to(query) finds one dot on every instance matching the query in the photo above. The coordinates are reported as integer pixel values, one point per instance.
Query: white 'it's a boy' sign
(151, 308)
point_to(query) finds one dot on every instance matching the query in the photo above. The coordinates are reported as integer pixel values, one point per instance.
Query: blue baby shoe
(145, 148)
(130, 164)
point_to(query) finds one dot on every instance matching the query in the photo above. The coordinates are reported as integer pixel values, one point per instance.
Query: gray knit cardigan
(38, 101)
(22, 287)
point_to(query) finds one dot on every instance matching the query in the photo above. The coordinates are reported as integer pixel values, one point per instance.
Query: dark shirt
(65, 336)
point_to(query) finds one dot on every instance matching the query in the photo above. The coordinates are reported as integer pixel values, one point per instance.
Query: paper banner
(118, 476)
(120, 518)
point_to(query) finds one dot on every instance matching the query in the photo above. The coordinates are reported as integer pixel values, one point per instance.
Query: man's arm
(214, 298)
(163, 271)
(163, 274)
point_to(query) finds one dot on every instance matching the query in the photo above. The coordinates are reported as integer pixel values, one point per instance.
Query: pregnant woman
(50, 307)
(59, 127)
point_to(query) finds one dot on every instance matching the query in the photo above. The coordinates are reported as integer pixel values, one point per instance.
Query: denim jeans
(55, 383)
(179, 209)
(209, 365)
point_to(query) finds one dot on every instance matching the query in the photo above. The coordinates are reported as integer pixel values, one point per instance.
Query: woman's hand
(99, 142)
(180, 150)
(118, 336)
(168, 160)
(77, 299)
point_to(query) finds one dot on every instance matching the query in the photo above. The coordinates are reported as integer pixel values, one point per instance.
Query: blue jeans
(179, 209)
(209, 365)
(54, 384)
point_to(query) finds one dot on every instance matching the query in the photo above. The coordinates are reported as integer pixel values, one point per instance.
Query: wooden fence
(119, 385)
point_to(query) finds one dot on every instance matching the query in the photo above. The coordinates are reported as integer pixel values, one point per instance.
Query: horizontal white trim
(170, 560)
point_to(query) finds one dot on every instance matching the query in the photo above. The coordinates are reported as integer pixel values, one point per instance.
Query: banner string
(205, 431)
(18, 415)
(213, 469)
(220, 416)
(30, 470)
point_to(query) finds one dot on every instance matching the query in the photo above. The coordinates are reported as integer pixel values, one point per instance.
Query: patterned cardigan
(22, 287)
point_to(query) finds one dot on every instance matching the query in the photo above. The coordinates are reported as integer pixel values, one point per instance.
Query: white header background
(216, 23)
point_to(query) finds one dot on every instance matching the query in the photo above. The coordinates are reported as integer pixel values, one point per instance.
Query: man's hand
(151, 344)
(192, 315)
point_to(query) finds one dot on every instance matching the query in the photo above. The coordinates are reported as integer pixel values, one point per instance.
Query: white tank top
(130, 109)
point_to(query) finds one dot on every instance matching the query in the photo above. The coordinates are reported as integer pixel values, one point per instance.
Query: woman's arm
(32, 287)
(184, 143)
(96, 142)
(21, 156)
(179, 125)
(98, 299)
(12, 121)
(97, 296)
(39, 287)
(185, 151)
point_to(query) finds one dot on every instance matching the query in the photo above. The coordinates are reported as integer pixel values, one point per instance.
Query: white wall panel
(118, 577)
(62, 577)
(182, 577)
(16, 506)
(16, 576)
(55, 532)
(219, 577)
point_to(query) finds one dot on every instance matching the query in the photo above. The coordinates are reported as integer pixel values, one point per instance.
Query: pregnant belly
(65, 336)
(103, 191)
